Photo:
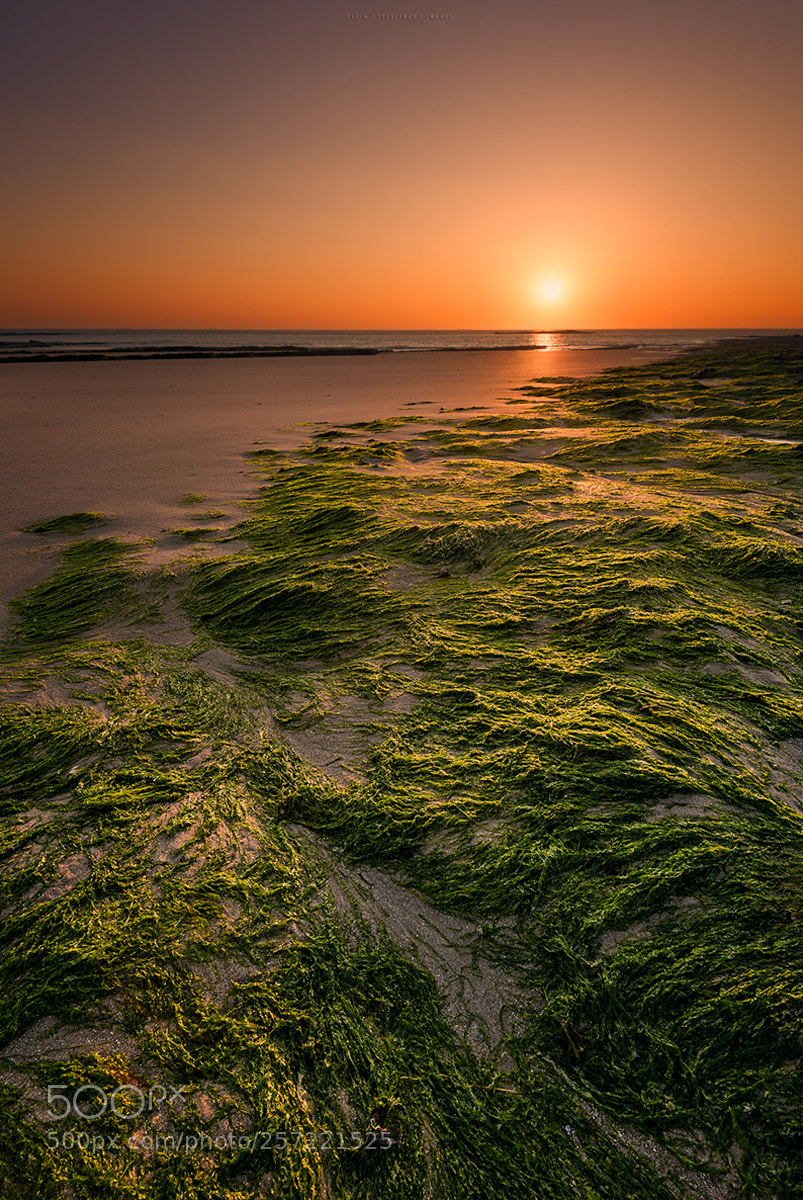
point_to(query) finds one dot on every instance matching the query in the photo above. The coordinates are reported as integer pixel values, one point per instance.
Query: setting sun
(550, 290)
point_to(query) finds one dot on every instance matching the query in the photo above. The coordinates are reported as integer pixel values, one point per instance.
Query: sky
(487, 164)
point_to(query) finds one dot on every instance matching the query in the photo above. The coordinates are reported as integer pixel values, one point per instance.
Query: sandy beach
(130, 438)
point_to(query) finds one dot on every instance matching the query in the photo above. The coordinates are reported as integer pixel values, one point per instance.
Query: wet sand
(130, 438)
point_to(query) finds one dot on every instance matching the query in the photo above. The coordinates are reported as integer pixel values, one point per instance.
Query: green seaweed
(203, 533)
(560, 694)
(76, 522)
(91, 584)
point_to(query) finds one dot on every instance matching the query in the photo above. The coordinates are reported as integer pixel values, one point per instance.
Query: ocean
(36, 345)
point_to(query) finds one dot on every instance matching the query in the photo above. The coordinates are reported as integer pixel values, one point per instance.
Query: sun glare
(550, 290)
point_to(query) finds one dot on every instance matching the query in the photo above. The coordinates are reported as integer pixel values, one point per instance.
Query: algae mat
(434, 831)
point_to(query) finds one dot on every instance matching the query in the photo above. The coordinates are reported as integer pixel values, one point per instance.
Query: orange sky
(193, 165)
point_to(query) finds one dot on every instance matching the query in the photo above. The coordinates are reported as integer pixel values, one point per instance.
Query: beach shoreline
(129, 438)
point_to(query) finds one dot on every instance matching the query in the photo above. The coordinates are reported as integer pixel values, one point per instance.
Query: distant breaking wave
(93, 345)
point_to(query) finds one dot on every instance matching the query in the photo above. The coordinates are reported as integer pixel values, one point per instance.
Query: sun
(550, 290)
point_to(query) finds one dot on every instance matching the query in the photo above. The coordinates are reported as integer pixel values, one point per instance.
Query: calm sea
(69, 344)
